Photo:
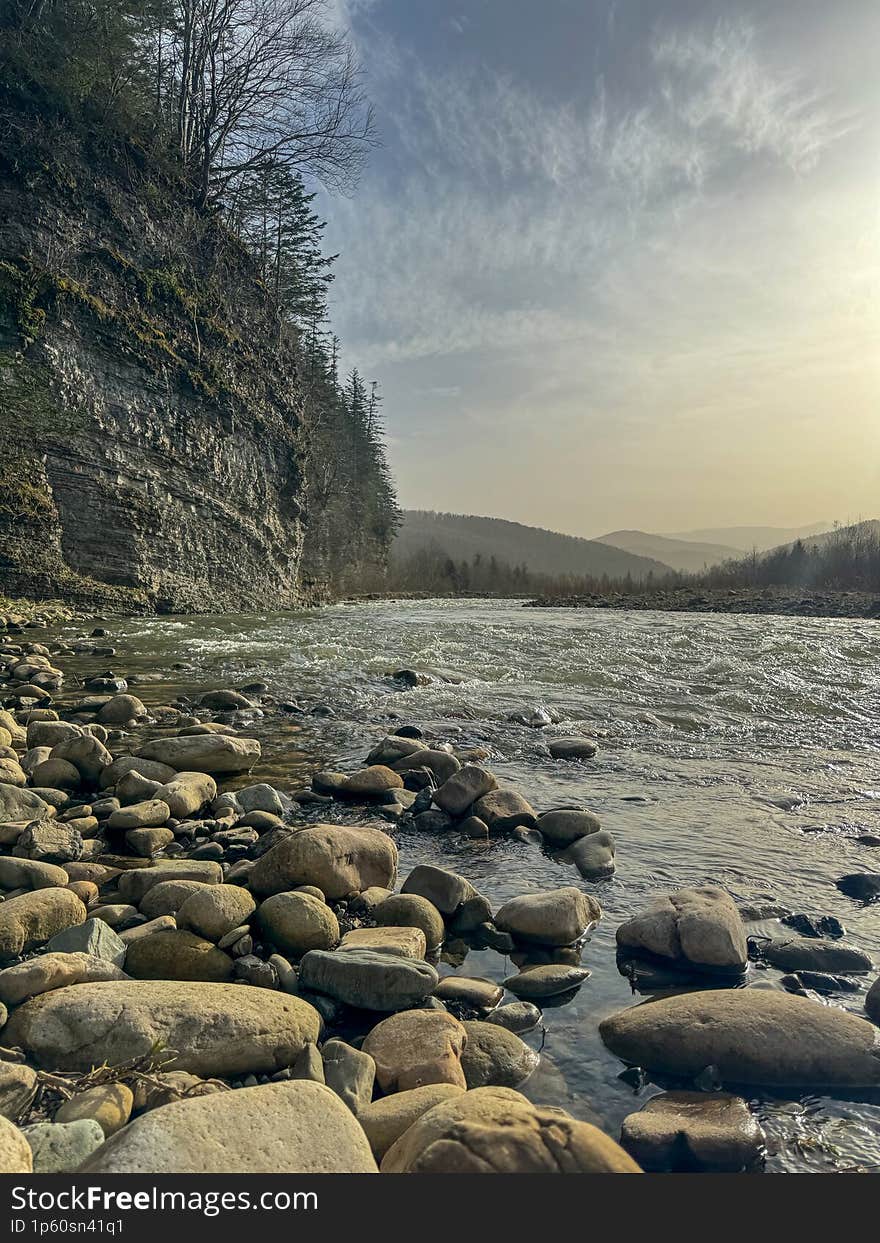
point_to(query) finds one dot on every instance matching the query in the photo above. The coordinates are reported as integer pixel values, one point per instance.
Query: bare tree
(263, 83)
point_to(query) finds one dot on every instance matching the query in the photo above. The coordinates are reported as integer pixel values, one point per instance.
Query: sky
(616, 263)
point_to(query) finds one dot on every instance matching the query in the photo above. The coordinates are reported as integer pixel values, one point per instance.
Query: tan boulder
(415, 1048)
(340, 860)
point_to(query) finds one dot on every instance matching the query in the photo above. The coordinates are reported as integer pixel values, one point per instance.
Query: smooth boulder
(700, 928)
(368, 979)
(338, 859)
(554, 917)
(217, 754)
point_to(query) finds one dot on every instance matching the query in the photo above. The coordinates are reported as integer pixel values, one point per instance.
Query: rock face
(497, 1131)
(337, 859)
(298, 1127)
(752, 1036)
(699, 927)
(216, 1029)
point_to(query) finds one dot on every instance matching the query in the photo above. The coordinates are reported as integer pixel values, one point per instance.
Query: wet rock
(177, 954)
(215, 1029)
(298, 922)
(33, 918)
(121, 709)
(572, 749)
(818, 982)
(808, 954)
(561, 828)
(444, 889)
(405, 942)
(516, 1017)
(212, 911)
(253, 971)
(350, 1073)
(440, 764)
(385, 1120)
(863, 886)
(593, 856)
(684, 1132)
(547, 980)
(368, 979)
(415, 1048)
(474, 827)
(296, 1127)
(338, 859)
(408, 910)
(61, 1148)
(432, 821)
(50, 971)
(471, 992)
(394, 748)
(497, 1131)
(464, 788)
(224, 701)
(752, 1036)
(217, 754)
(15, 1152)
(503, 810)
(812, 925)
(93, 937)
(109, 1104)
(700, 927)
(495, 1057)
(554, 917)
(872, 1001)
(372, 782)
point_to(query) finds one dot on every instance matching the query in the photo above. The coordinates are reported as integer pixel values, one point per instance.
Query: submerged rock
(691, 1131)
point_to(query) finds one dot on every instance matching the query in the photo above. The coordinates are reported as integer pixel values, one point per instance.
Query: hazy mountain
(688, 556)
(464, 536)
(744, 539)
(868, 530)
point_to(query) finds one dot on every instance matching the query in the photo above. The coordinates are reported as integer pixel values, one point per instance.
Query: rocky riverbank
(186, 951)
(772, 601)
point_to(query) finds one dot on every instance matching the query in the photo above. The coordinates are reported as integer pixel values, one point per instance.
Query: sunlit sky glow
(617, 264)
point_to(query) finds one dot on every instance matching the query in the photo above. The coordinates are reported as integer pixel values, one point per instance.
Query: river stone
(700, 927)
(549, 980)
(561, 828)
(394, 748)
(187, 793)
(218, 754)
(61, 1148)
(872, 1001)
(295, 1127)
(260, 797)
(93, 937)
(18, 805)
(211, 910)
(134, 885)
(554, 917)
(47, 841)
(593, 856)
(109, 1104)
(18, 1084)
(495, 1057)
(138, 932)
(405, 942)
(415, 1048)
(56, 775)
(470, 991)
(409, 910)
(50, 971)
(693, 1131)
(148, 815)
(863, 886)
(120, 709)
(297, 923)
(30, 874)
(34, 917)
(16, 1156)
(150, 769)
(87, 754)
(572, 749)
(516, 1017)
(440, 763)
(497, 1131)
(177, 954)
(385, 1120)
(502, 810)
(368, 979)
(50, 733)
(215, 1029)
(810, 954)
(464, 788)
(350, 1073)
(752, 1036)
(340, 860)
(168, 896)
(444, 889)
(372, 782)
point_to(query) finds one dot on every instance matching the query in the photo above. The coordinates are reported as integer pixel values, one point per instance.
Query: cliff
(151, 430)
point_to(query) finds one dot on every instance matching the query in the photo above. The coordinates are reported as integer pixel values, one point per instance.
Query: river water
(734, 750)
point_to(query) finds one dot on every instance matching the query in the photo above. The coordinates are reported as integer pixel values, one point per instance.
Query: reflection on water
(740, 751)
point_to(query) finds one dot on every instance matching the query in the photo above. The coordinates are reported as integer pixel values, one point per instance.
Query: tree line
(248, 104)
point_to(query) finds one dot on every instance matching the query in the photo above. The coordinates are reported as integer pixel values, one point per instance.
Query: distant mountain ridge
(464, 536)
(747, 539)
(686, 556)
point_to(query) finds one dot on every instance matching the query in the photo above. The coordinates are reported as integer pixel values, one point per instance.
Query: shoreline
(778, 602)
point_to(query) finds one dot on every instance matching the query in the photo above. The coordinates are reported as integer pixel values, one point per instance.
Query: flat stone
(46, 972)
(152, 813)
(471, 991)
(177, 954)
(516, 1016)
(572, 748)
(405, 942)
(693, 1131)
(134, 885)
(217, 754)
(368, 979)
(30, 874)
(548, 980)
(810, 954)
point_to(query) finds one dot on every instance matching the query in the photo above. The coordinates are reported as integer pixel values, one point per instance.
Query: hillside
(463, 537)
(866, 532)
(686, 556)
(745, 539)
